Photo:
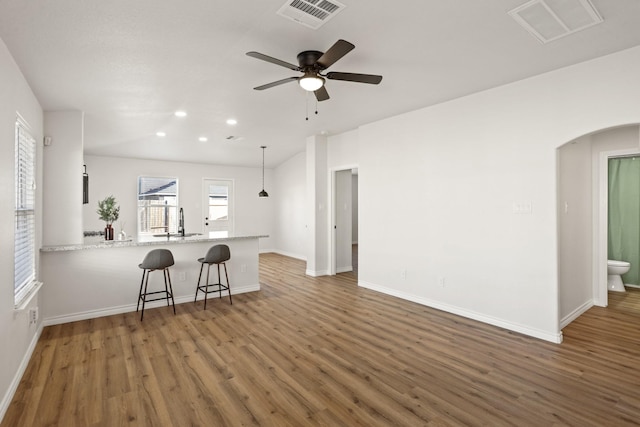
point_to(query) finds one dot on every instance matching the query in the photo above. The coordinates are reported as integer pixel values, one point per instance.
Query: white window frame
(25, 282)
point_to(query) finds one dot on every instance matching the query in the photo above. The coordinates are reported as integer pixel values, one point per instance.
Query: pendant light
(85, 186)
(263, 193)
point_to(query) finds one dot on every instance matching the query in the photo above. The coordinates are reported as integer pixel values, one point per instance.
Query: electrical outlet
(182, 276)
(243, 268)
(441, 281)
(33, 315)
(403, 274)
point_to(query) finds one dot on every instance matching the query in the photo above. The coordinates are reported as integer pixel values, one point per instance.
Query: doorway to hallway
(344, 216)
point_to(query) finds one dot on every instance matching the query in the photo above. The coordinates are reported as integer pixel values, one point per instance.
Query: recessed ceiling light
(181, 114)
(202, 139)
(161, 134)
(232, 122)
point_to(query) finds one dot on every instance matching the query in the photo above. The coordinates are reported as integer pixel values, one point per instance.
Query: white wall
(354, 208)
(575, 216)
(118, 176)
(454, 172)
(291, 220)
(343, 150)
(317, 206)
(62, 172)
(16, 334)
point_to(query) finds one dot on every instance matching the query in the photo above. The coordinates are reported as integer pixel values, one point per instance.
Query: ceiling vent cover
(310, 13)
(549, 20)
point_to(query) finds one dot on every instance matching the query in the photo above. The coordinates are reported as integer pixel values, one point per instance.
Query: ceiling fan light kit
(312, 63)
(311, 82)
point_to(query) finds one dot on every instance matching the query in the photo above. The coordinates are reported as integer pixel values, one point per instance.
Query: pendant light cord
(306, 105)
(263, 147)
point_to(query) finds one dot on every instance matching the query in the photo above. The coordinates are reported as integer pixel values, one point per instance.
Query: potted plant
(108, 211)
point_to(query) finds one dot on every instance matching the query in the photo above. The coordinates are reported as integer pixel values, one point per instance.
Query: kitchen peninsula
(100, 278)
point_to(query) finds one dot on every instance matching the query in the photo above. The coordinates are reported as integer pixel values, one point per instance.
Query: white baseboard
(575, 313)
(317, 273)
(15, 382)
(344, 269)
(92, 314)
(290, 254)
(555, 338)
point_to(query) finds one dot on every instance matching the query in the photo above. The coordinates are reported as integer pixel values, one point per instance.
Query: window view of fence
(157, 205)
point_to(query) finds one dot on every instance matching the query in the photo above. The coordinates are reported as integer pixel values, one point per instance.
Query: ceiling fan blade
(276, 61)
(322, 94)
(335, 52)
(276, 83)
(355, 77)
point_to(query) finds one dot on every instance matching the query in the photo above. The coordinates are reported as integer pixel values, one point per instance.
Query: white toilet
(615, 269)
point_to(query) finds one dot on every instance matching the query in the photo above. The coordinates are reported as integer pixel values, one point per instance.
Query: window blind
(24, 251)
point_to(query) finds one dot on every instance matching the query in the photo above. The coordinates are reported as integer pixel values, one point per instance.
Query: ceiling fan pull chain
(306, 105)
(316, 106)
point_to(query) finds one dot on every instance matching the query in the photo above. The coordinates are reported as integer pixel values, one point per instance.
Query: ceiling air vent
(310, 13)
(549, 20)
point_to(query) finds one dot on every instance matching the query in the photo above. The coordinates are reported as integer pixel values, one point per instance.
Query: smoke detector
(549, 20)
(310, 13)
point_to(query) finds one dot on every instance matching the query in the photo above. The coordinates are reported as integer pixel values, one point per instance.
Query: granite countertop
(98, 242)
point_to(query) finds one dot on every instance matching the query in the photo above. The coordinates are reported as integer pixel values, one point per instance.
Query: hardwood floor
(323, 352)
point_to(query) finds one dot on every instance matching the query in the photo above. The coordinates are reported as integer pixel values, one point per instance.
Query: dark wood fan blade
(276, 83)
(322, 94)
(355, 77)
(276, 61)
(335, 52)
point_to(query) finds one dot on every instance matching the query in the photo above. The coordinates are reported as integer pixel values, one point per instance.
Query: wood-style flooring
(323, 352)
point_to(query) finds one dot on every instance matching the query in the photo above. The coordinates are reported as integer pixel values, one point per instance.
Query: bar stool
(217, 255)
(157, 259)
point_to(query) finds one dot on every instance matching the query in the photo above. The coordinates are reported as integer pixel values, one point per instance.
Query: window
(218, 205)
(157, 205)
(25, 222)
(218, 202)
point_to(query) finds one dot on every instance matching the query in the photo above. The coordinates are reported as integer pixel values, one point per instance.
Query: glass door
(218, 206)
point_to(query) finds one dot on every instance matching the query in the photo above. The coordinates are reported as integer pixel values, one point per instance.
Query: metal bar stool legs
(157, 259)
(224, 264)
(216, 255)
(169, 291)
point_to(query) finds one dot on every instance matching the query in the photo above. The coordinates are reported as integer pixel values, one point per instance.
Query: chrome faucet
(181, 223)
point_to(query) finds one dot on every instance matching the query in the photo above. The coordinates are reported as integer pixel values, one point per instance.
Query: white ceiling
(130, 64)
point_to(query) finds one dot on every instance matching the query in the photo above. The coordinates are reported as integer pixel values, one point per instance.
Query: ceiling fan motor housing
(307, 59)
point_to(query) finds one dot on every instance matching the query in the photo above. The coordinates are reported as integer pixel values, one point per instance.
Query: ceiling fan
(312, 63)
